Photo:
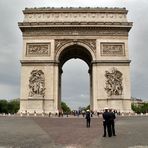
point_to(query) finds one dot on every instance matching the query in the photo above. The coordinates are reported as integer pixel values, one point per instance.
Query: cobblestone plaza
(44, 132)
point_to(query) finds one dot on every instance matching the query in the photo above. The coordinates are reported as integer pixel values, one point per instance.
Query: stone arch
(74, 50)
(47, 44)
(75, 43)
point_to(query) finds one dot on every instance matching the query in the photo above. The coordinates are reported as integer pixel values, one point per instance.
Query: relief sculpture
(37, 49)
(113, 82)
(37, 84)
(89, 42)
(112, 49)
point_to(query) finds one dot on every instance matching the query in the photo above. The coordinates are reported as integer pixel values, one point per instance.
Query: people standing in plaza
(83, 113)
(106, 123)
(112, 122)
(88, 118)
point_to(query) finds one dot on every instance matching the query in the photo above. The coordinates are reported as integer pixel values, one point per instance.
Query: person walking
(112, 121)
(88, 118)
(83, 113)
(106, 123)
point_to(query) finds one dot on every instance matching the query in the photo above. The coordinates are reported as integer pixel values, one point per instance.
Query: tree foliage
(11, 106)
(88, 107)
(143, 108)
(65, 107)
(3, 106)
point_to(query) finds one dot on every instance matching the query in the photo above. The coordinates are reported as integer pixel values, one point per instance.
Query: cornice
(111, 62)
(38, 62)
(67, 24)
(96, 62)
(74, 9)
(24, 25)
(117, 99)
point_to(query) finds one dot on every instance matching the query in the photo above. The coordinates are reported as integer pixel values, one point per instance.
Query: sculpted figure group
(113, 82)
(37, 83)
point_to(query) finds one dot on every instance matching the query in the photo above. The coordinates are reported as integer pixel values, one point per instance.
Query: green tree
(143, 108)
(135, 108)
(3, 106)
(13, 106)
(65, 107)
(88, 107)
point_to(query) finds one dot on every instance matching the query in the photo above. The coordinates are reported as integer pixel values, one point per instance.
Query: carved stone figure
(52, 36)
(89, 42)
(38, 49)
(112, 49)
(113, 82)
(37, 83)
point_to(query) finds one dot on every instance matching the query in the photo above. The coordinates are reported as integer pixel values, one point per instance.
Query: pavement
(45, 132)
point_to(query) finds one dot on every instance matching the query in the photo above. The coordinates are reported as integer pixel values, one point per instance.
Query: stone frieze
(112, 49)
(38, 49)
(75, 17)
(89, 42)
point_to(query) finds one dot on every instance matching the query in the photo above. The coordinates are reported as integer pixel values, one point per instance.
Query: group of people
(108, 121)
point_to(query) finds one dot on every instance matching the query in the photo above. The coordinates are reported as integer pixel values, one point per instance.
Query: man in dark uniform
(106, 123)
(87, 118)
(112, 122)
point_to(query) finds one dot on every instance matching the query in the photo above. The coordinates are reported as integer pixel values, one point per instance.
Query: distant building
(138, 102)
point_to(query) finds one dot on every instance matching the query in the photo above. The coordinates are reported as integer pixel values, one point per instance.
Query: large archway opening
(75, 88)
(82, 95)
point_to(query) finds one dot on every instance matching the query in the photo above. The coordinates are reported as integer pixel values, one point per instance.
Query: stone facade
(51, 36)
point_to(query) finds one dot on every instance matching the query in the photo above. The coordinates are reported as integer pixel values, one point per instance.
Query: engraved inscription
(38, 49)
(112, 49)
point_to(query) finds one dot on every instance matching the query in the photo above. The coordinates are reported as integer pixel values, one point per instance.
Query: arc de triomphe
(98, 36)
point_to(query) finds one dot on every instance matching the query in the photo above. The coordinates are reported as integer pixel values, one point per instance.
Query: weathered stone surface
(38, 49)
(75, 15)
(51, 36)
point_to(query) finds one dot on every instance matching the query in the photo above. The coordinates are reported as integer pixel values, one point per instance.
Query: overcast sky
(75, 89)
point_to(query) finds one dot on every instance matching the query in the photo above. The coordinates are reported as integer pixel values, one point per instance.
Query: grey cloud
(75, 82)
(77, 101)
(75, 78)
(138, 44)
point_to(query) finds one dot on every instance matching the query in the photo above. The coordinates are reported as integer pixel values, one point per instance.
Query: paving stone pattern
(44, 132)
